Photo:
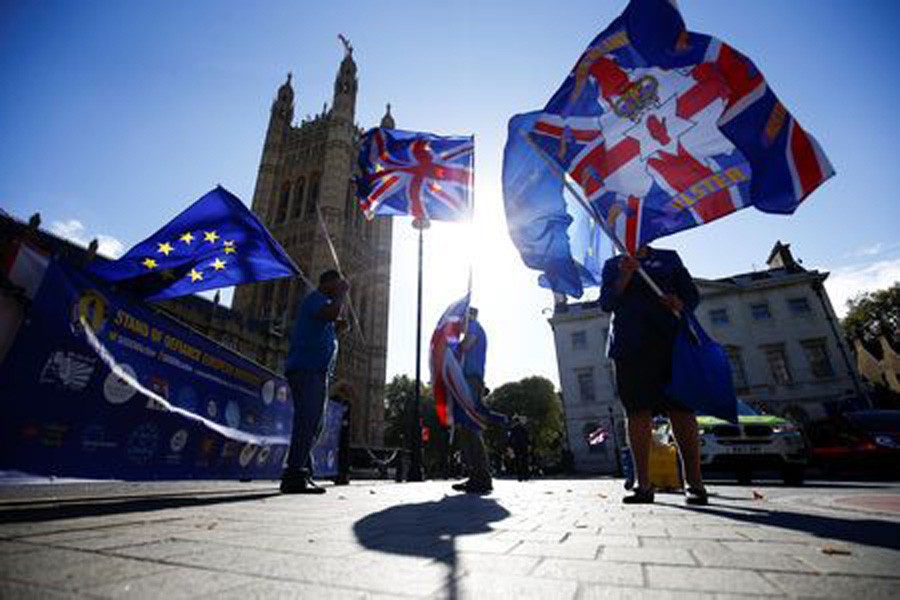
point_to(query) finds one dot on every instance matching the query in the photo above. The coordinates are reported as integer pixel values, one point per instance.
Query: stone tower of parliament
(304, 188)
(306, 174)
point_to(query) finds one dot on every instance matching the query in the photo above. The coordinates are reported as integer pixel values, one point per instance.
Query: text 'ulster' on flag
(216, 242)
(423, 175)
(665, 129)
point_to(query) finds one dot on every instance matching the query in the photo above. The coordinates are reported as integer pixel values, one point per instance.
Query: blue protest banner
(99, 386)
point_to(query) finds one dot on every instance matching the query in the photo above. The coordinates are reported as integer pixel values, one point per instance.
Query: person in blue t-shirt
(641, 340)
(474, 347)
(311, 356)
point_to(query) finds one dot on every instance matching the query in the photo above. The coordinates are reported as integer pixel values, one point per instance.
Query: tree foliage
(536, 399)
(400, 394)
(873, 314)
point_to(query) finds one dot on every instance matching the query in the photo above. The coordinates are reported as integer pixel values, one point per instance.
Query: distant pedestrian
(644, 327)
(310, 361)
(520, 444)
(474, 348)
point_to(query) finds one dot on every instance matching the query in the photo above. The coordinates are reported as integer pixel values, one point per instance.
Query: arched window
(313, 200)
(283, 200)
(299, 189)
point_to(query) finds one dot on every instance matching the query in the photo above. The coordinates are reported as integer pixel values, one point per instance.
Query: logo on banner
(212, 409)
(178, 441)
(68, 370)
(233, 414)
(247, 454)
(141, 446)
(263, 455)
(268, 392)
(117, 390)
(92, 308)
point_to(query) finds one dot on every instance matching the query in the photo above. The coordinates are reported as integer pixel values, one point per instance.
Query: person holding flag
(310, 361)
(641, 338)
(474, 352)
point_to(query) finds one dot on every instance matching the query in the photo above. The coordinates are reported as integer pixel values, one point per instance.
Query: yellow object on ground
(664, 467)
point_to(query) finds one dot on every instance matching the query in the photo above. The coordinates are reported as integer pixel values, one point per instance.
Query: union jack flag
(454, 401)
(422, 175)
(662, 136)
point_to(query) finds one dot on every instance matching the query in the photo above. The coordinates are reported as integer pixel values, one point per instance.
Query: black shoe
(479, 489)
(696, 497)
(639, 496)
(629, 484)
(471, 487)
(300, 486)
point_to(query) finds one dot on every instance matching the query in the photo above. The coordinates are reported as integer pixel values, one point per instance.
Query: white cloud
(74, 230)
(847, 282)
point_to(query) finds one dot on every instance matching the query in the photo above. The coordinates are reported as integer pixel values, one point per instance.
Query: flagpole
(415, 432)
(590, 210)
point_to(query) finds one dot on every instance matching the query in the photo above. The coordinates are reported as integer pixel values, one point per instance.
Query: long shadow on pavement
(429, 529)
(867, 532)
(54, 511)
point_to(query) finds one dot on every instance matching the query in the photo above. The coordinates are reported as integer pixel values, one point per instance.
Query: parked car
(863, 441)
(757, 442)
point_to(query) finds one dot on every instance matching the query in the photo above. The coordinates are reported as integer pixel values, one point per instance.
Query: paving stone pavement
(541, 539)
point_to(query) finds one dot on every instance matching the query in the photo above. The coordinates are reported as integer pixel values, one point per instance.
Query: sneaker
(461, 486)
(696, 497)
(639, 496)
(300, 486)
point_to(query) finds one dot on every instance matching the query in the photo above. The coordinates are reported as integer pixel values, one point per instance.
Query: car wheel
(744, 476)
(792, 475)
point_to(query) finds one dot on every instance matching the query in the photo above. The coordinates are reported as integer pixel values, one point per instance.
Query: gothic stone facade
(305, 180)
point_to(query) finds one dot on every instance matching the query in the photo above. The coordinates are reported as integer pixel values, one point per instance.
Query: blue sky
(115, 115)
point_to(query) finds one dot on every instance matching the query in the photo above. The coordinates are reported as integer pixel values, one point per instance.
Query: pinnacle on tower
(387, 121)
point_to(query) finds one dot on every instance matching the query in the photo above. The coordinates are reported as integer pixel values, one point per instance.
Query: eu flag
(418, 174)
(553, 232)
(216, 242)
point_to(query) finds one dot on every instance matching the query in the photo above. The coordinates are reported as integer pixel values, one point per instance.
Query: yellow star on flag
(187, 238)
(165, 248)
(149, 263)
(210, 236)
(195, 275)
(218, 264)
(229, 247)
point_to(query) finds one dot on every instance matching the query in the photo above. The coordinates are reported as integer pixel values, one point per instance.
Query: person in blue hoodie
(641, 340)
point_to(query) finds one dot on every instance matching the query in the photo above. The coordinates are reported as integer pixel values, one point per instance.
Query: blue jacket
(639, 320)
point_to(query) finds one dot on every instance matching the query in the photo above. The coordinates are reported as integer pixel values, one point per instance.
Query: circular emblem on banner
(142, 444)
(247, 454)
(263, 455)
(233, 414)
(178, 441)
(212, 409)
(91, 306)
(268, 392)
(282, 394)
(115, 389)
